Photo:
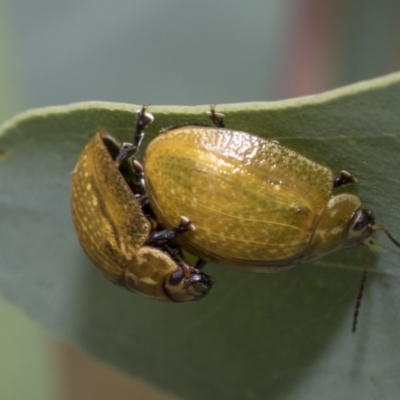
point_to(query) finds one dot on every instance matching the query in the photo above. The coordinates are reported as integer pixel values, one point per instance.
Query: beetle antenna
(375, 227)
(361, 289)
(378, 227)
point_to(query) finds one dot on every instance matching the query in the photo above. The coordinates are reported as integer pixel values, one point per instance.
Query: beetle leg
(136, 183)
(170, 234)
(139, 186)
(175, 252)
(186, 269)
(143, 119)
(130, 149)
(216, 118)
(344, 178)
(127, 150)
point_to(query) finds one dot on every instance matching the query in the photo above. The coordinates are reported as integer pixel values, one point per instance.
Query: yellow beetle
(256, 205)
(118, 231)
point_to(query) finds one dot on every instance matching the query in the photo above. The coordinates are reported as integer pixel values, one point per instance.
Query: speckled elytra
(256, 205)
(118, 231)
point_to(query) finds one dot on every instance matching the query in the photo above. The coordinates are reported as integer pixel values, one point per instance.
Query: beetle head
(362, 225)
(343, 224)
(187, 283)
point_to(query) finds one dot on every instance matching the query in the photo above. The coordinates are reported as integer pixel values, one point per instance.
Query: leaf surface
(255, 336)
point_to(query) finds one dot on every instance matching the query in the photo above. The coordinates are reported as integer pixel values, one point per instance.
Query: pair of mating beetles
(223, 195)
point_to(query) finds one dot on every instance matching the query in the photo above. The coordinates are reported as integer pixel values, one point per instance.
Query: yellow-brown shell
(253, 202)
(110, 223)
(114, 231)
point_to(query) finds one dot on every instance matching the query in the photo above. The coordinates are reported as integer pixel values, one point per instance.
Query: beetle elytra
(256, 205)
(116, 230)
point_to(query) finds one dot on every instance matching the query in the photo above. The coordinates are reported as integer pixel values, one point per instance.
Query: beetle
(256, 205)
(118, 231)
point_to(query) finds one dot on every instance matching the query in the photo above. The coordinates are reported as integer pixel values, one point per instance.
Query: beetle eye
(176, 277)
(363, 219)
(361, 222)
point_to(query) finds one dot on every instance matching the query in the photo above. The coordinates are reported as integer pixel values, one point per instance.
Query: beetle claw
(216, 118)
(144, 118)
(186, 224)
(344, 178)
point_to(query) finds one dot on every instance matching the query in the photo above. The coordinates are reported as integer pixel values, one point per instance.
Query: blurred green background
(170, 52)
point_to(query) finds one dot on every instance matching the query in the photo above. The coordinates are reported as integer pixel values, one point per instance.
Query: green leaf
(256, 336)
